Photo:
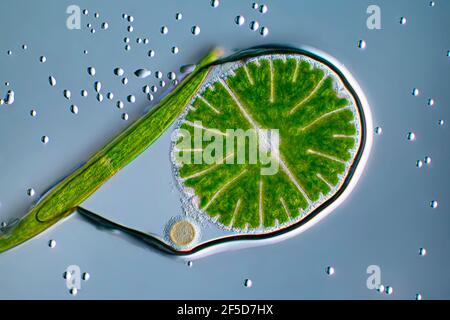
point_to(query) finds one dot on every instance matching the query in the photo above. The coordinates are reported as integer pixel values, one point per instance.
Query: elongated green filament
(72, 191)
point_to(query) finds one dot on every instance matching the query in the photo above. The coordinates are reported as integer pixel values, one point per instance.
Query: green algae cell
(319, 133)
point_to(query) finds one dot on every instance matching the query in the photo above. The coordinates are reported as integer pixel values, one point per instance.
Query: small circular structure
(182, 232)
(52, 243)
(362, 44)
(389, 290)
(195, 30)
(330, 270)
(411, 136)
(422, 252)
(239, 20)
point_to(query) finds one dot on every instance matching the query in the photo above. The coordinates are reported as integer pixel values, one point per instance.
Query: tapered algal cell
(267, 141)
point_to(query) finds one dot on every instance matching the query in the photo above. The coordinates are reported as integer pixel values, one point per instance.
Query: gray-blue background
(384, 222)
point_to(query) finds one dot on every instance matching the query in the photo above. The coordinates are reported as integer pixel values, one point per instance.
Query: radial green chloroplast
(296, 98)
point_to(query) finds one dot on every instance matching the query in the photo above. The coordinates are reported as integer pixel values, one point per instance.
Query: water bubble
(195, 30)
(85, 276)
(73, 291)
(131, 98)
(164, 30)
(255, 5)
(142, 73)
(127, 47)
(92, 30)
(31, 192)
(91, 71)
(154, 89)
(120, 104)
(96, 15)
(130, 28)
(432, 3)
(264, 31)
(45, 139)
(431, 102)
(381, 288)
(124, 15)
(146, 40)
(74, 109)
(248, 283)
(139, 40)
(52, 81)
(362, 44)
(178, 16)
(67, 94)
(150, 96)
(130, 18)
(126, 40)
(97, 86)
(124, 80)
(419, 164)
(441, 122)
(215, 3)
(171, 75)
(330, 270)
(110, 95)
(146, 89)
(84, 93)
(418, 296)
(85, 51)
(42, 59)
(99, 97)
(403, 20)
(427, 160)
(389, 290)
(422, 252)
(434, 204)
(254, 25)
(88, 25)
(125, 116)
(119, 72)
(151, 53)
(158, 74)
(85, 12)
(175, 50)
(162, 83)
(9, 52)
(239, 20)
(67, 275)
(378, 130)
(411, 136)
(189, 264)
(263, 8)
(33, 113)
(52, 244)
(9, 97)
(415, 92)
(24, 47)
(105, 25)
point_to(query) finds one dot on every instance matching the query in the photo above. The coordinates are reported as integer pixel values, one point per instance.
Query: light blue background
(384, 222)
